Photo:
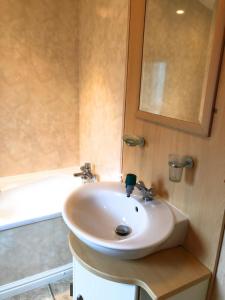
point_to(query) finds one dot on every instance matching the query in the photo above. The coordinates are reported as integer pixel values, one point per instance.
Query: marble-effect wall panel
(102, 67)
(38, 85)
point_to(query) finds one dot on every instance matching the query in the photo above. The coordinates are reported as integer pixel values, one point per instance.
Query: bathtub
(31, 227)
(35, 201)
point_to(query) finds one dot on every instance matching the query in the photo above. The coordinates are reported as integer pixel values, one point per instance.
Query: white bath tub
(36, 201)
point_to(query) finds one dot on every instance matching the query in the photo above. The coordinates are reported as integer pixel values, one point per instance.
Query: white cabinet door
(88, 286)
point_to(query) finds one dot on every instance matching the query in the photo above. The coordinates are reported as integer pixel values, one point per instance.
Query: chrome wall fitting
(176, 166)
(132, 140)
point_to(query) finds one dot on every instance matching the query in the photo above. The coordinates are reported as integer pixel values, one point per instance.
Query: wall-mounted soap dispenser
(133, 140)
(177, 164)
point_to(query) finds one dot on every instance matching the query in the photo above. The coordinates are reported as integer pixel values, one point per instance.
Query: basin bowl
(94, 212)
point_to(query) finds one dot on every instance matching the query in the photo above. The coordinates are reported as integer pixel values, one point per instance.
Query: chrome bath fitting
(132, 140)
(86, 175)
(176, 166)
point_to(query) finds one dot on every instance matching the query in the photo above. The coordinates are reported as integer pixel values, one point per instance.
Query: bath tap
(86, 175)
(148, 193)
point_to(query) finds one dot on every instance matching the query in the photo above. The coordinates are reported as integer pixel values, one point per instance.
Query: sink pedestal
(172, 274)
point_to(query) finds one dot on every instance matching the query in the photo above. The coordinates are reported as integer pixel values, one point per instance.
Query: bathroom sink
(103, 217)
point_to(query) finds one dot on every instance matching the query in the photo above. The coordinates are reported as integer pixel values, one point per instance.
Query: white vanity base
(92, 287)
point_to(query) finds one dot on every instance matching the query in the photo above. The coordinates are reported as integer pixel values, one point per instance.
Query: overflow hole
(136, 208)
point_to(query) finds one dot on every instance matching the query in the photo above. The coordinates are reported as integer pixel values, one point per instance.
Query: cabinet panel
(196, 292)
(144, 295)
(92, 287)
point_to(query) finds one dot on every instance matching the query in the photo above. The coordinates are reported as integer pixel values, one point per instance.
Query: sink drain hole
(123, 230)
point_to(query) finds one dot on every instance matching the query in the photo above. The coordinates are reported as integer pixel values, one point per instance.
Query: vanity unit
(111, 238)
(172, 274)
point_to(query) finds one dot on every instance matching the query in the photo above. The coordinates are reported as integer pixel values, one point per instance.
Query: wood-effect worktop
(161, 275)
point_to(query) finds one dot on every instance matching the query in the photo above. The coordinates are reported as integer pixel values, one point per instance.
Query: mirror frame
(134, 71)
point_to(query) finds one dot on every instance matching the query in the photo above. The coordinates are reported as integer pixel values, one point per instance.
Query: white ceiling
(208, 3)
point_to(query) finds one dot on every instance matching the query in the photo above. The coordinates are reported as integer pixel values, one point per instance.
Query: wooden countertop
(161, 275)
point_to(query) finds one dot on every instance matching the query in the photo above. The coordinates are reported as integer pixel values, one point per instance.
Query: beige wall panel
(102, 66)
(201, 193)
(38, 85)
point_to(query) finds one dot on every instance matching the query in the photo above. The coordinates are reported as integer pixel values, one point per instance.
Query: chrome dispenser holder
(176, 166)
(132, 140)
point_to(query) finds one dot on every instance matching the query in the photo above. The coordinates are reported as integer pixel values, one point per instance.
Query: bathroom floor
(59, 290)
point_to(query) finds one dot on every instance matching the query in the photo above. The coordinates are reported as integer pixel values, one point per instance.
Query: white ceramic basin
(94, 211)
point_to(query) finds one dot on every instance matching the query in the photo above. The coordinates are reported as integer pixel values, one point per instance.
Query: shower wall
(62, 82)
(38, 85)
(102, 67)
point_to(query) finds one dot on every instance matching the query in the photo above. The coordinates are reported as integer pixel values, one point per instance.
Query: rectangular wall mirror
(180, 50)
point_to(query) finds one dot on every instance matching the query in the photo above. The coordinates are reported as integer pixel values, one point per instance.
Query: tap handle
(141, 185)
(152, 191)
(86, 167)
(130, 183)
(131, 180)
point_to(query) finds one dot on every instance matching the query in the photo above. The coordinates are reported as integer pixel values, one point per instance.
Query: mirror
(180, 57)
